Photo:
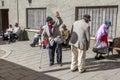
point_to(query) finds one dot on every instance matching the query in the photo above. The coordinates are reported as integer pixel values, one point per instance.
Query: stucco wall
(65, 7)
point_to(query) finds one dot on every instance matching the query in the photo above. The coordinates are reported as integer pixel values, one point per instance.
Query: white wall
(65, 7)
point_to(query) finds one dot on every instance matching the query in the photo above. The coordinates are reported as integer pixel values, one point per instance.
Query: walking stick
(41, 48)
(42, 52)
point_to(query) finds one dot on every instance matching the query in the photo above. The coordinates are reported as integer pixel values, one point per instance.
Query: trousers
(78, 58)
(58, 48)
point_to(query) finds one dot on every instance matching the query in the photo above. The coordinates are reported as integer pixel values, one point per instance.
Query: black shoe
(32, 45)
(101, 57)
(51, 64)
(97, 58)
(60, 64)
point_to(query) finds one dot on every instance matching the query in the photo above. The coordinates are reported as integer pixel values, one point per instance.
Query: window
(98, 17)
(36, 17)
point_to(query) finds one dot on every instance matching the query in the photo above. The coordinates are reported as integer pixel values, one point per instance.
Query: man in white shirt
(16, 29)
(15, 33)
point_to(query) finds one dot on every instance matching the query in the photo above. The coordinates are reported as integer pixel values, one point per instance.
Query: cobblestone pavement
(24, 63)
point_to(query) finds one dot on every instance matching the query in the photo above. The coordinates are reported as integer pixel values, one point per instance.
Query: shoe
(51, 64)
(32, 45)
(73, 70)
(101, 57)
(97, 58)
(60, 64)
(82, 71)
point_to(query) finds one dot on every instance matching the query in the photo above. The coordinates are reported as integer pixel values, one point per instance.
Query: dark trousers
(58, 48)
(12, 37)
(35, 41)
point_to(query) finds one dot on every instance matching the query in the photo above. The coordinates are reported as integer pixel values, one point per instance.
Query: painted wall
(65, 7)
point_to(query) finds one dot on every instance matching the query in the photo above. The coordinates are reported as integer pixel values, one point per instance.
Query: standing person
(101, 36)
(52, 31)
(79, 42)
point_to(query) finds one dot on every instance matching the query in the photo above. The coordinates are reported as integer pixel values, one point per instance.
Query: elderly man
(79, 42)
(15, 33)
(51, 29)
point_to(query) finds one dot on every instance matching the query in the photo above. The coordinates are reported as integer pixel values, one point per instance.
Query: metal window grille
(98, 17)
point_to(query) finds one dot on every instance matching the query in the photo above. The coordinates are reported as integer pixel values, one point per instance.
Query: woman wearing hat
(101, 37)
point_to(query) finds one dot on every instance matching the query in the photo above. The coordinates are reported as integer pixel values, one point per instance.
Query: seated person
(43, 42)
(6, 35)
(65, 34)
(37, 38)
(16, 31)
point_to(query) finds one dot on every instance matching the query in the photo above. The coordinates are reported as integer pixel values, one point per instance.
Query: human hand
(57, 14)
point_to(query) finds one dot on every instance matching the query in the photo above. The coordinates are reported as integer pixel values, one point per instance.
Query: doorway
(4, 20)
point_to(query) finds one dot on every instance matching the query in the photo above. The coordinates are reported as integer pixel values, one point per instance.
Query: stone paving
(24, 62)
(2, 52)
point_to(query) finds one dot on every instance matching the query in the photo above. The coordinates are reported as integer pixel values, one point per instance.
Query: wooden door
(4, 19)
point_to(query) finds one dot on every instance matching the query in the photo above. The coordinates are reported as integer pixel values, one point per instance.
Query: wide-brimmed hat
(86, 17)
(107, 22)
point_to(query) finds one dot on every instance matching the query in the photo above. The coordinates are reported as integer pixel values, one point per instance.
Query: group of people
(12, 33)
(79, 40)
(39, 41)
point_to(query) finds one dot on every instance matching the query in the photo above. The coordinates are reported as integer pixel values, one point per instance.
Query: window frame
(112, 32)
(27, 9)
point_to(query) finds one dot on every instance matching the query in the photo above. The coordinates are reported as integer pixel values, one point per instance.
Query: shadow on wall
(12, 71)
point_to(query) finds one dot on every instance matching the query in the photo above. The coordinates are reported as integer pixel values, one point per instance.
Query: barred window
(36, 17)
(98, 16)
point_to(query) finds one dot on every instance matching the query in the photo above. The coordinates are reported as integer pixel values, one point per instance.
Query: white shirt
(36, 35)
(16, 29)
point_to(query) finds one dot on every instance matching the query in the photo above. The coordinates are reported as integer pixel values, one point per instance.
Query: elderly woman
(102, 40)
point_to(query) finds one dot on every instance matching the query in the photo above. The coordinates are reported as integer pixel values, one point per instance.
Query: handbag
(51, 41)
(58, 40)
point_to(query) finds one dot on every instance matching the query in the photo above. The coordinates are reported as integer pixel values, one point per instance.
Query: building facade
(31, 14)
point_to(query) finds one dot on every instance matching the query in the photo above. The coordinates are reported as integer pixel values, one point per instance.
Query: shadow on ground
(3, 42)
(92, 65)
(12, 71)
(111, 62)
